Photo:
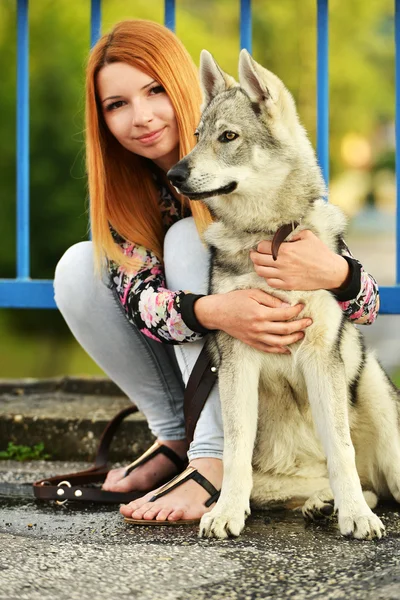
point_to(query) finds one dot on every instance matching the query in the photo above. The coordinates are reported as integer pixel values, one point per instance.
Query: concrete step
(68, 415)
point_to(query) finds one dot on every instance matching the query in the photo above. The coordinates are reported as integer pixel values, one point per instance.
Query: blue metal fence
(23, 292)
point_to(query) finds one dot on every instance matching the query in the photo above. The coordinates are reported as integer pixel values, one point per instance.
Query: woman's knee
(186, 258)
(74, 273)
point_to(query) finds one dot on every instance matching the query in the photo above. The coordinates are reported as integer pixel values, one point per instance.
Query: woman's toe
(123, 485)
(128, 509)
(138, 513)
(151, 513)
(176, 515)
(164, 514)
(112, 478)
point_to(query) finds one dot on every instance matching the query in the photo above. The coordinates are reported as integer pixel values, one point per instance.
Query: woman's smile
(150, 138)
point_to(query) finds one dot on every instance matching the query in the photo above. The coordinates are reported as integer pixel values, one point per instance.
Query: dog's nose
(178, 174)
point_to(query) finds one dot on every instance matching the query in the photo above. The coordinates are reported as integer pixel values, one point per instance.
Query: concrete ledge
(97, 386)
(69, 415)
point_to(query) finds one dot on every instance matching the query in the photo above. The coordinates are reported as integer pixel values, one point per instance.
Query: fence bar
(169, 14)
(27, 294)
(245, 25)
(95, 22)
(397, 120)
(323, 88)
(23, 238)
(390, 300)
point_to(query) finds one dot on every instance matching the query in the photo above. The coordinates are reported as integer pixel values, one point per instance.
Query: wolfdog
(320, 424)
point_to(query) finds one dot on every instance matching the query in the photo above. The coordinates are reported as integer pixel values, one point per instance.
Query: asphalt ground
(88, 553)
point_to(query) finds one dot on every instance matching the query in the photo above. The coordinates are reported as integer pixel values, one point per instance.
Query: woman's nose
(141, 114)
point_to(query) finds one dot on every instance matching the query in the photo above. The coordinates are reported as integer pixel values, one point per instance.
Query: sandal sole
(162, 523)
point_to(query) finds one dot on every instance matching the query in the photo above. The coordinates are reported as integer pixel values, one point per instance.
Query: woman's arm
(306, 263)
(148, 304)
(360, 299)
(253, 316)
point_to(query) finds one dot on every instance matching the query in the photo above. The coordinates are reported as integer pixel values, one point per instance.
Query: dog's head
(247, 131)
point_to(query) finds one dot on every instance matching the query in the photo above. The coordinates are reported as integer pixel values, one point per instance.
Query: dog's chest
(236, 272)
(232, 269)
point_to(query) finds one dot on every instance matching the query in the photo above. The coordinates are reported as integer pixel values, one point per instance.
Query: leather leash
(71, 486)
(280, 236)
(199, 386)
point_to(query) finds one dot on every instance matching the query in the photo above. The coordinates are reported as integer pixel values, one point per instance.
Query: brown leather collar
(280, 236)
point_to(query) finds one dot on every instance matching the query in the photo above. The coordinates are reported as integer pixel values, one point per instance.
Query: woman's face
(139, 113)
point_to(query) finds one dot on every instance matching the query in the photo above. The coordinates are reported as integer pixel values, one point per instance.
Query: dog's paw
(319, 506)
(222, 523)
(362, 525)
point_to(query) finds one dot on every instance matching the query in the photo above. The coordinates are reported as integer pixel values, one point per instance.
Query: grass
(23, 453)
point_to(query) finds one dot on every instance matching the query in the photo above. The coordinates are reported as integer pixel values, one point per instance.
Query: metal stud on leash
(61, 492)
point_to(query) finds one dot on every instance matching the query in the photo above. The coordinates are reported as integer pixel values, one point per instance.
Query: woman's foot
(149, 475)
(184, 502)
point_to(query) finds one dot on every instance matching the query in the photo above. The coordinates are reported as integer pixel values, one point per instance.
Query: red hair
(121, 188)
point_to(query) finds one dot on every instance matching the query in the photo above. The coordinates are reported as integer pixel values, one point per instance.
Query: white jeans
(150, 373)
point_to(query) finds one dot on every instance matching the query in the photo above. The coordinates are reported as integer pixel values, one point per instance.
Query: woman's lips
(151, 137)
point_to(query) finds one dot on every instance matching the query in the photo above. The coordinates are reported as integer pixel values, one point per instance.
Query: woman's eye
(114, 105)
(158, 89)
(228, 136)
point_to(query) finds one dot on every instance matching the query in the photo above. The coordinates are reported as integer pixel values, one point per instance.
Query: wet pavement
(77, 552)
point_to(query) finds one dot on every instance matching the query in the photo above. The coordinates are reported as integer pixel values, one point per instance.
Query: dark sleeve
(359, 300)
(160, 314)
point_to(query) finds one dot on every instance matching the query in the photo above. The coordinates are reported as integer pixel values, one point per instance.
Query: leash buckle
(61, 492)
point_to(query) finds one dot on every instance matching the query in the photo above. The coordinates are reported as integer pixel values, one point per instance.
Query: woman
(119, 297)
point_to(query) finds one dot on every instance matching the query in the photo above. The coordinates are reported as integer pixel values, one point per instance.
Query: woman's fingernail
(309, 322)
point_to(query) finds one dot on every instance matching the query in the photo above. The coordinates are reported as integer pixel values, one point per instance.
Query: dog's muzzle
(178, 176)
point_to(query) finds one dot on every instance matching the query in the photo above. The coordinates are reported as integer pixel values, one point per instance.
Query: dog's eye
(196, 134)
(228, 136)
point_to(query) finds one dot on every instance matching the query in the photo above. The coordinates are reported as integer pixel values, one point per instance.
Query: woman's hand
(254, 317)
(304, 263)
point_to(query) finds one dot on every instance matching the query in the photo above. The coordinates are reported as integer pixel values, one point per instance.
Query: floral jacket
(166, 316)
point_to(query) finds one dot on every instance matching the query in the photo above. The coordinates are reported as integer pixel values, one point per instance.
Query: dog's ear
(261, 85)
(213, 79)
(251, 79)
(267, 89)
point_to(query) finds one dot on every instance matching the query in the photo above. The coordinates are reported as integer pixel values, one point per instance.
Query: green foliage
(396, 379)
(24, 453)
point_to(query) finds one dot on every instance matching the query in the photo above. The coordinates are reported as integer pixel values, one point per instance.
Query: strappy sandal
(84, 486)
(153, 451)
(186, 475)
